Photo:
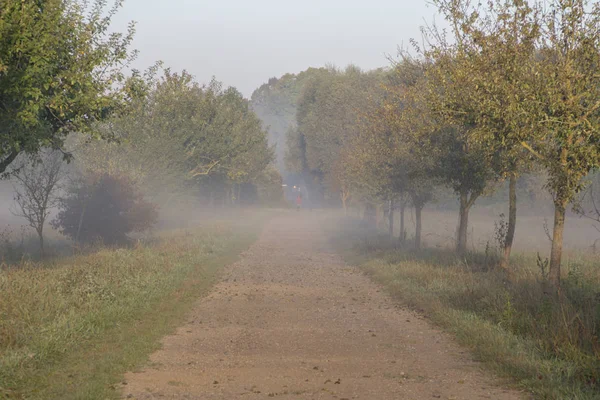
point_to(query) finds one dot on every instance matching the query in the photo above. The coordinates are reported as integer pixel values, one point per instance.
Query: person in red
(298, 202)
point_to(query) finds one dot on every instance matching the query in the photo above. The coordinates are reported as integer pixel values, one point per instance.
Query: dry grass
(111, 307)
(548, 345)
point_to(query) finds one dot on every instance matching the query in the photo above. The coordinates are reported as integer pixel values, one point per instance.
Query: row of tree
(181, 137)
(511, 87)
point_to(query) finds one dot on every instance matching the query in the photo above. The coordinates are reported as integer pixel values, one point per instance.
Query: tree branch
(532, 151)
(8, 160)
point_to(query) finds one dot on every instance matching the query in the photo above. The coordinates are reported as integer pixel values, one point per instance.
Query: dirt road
(291, 321)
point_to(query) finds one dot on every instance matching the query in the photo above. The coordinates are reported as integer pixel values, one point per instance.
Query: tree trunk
(80, 221)
(461, 243)
(512, 221)
(8, 160)
(391, 218)
(402, 237)
(378, 215)
(41, 236)
(557, 243)
(369, 215)
(418, 225)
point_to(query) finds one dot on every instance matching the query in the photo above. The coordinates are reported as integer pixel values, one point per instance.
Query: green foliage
(417, 97)
(522, 78)
(565, 92)
(330, 110)
(276, 103)
(269, 186)
(419, 100)
(60, 71)
(181, 136)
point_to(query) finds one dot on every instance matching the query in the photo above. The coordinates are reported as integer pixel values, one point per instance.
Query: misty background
(244, 43)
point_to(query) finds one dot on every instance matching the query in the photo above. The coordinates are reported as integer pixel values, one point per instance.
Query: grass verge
(546, 345)
(71, 329)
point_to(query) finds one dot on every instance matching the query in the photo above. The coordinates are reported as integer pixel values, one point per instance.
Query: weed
(500, 231)
(542, 264)
(547, 343)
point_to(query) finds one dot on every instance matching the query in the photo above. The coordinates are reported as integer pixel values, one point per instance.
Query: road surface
(291, 321)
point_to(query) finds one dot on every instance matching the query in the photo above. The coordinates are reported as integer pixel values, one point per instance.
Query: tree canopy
(60, 71)
(181, 135)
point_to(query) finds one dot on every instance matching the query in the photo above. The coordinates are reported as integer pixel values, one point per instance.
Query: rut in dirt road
(291, 321)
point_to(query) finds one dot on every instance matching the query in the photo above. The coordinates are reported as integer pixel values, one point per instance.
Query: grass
(546, 344)
(70, 328)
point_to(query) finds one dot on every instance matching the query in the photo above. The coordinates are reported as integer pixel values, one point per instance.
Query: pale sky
(244, 43)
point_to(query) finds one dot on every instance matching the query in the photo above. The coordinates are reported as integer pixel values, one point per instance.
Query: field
(547, 345)
(112, 305)
(439, 227)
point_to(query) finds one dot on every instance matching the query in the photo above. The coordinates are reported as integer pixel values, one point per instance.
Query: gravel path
(291, 321)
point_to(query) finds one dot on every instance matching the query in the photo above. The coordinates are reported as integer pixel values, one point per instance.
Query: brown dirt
(291, 321)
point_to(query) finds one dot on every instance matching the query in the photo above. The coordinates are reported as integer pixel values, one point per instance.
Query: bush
(103, 207)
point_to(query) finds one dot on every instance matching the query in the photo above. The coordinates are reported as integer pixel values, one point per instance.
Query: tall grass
(548, 344)
(69, 328)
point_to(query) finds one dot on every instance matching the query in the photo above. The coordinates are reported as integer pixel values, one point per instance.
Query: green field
(69, 329)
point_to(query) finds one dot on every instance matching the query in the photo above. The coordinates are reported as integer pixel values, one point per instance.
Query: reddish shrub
(103, 207)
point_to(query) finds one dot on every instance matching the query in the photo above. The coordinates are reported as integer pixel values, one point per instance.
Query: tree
(103, 207)
(36, 190)
(250, 154)
(546, 56)
(379, 164)
(413, 172)
(60, 72)
(180, 136)
(329, 113)
(269, 187)
(419, 110)
(492, 52)
(275, 103)
(564, 108)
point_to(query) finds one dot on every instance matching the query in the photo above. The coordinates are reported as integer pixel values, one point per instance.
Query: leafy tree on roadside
(492, 53)
(550, 90)
(329, 112)
(276, 103)
(269, 188)
(564, 108)
(421, 88)
(377, 166)
(60, 72)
